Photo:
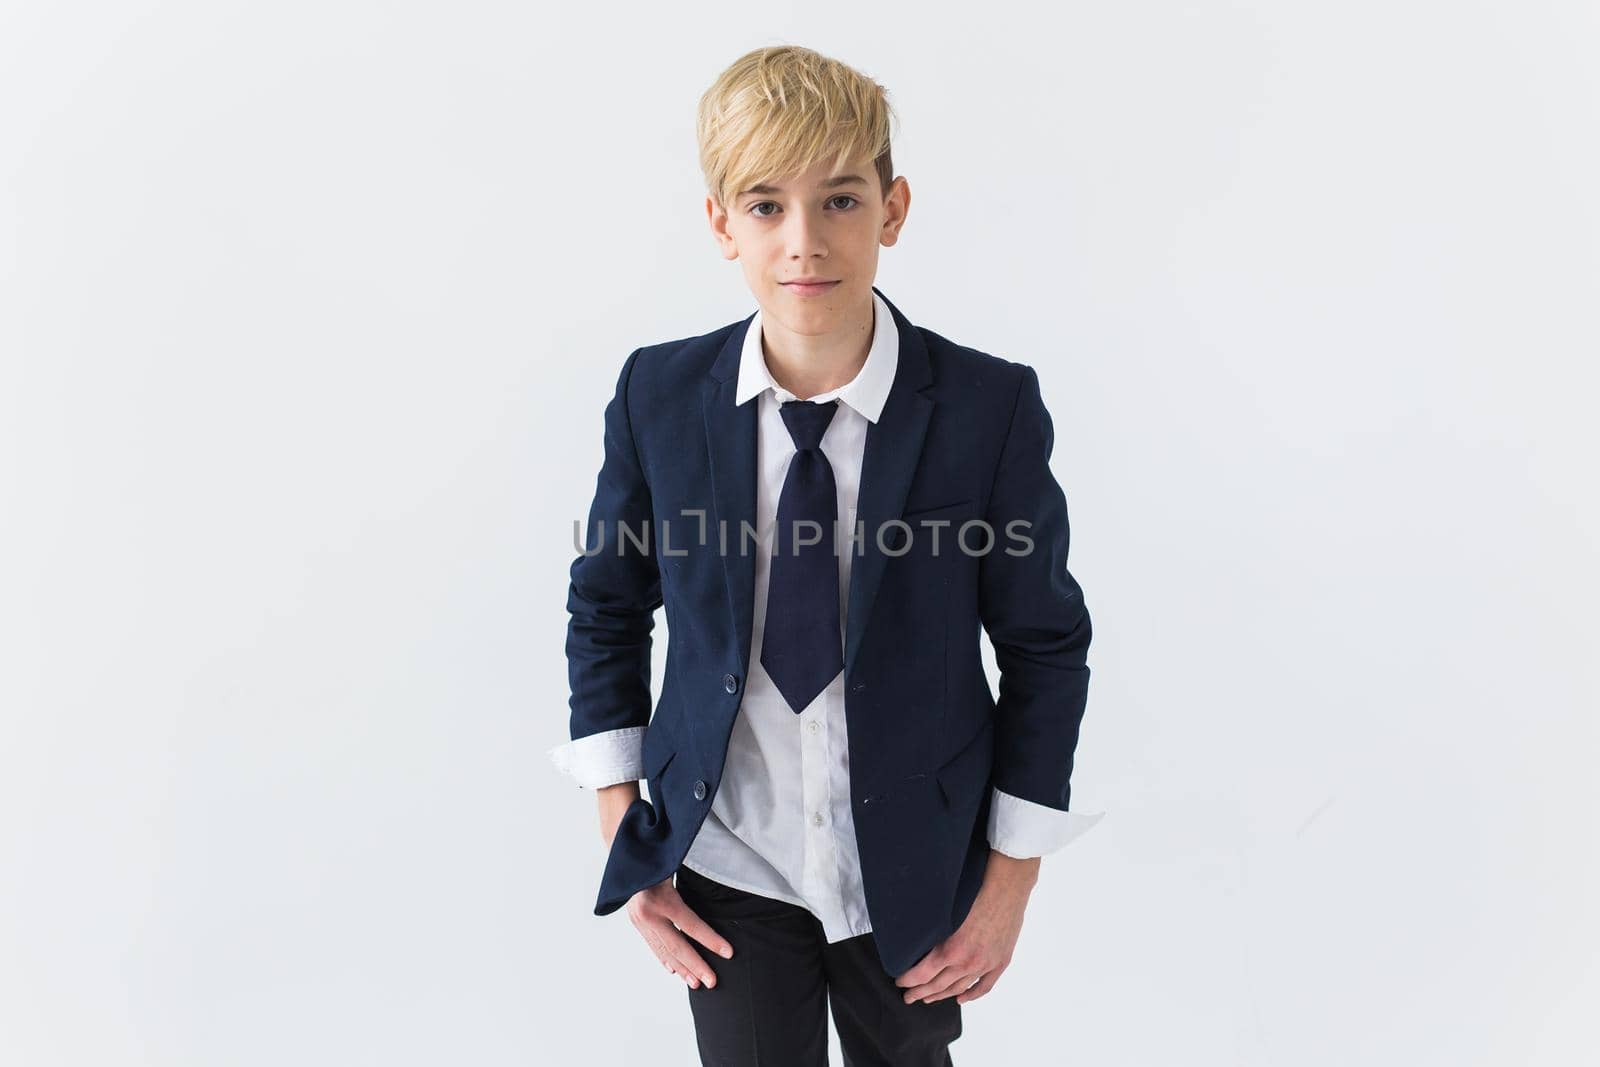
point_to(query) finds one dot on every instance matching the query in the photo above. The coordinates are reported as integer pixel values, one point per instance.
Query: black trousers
(769, 1006)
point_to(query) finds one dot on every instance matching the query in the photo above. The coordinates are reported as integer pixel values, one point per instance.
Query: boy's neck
(809, 364)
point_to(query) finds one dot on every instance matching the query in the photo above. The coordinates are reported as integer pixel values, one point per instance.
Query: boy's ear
(718, 218)
(895, 207)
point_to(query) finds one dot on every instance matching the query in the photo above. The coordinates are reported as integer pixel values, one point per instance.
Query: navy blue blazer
(964, 435)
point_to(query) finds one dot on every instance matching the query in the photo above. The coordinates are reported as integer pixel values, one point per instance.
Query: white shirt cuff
(602, 759)
(1023, 829)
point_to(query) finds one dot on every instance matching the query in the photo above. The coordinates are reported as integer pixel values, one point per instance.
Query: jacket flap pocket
(659, 748)
(970, 767)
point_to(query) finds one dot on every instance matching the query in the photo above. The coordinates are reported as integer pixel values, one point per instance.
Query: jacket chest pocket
(927, 532)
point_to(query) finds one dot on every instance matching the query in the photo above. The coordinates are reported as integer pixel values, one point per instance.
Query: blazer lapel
(893, 446)
(731, 444)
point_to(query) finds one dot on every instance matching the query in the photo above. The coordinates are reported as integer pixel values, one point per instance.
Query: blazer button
(730, 683)
(699, 789)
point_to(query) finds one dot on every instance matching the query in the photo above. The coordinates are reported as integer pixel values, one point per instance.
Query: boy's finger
(683, 952)
(703, 932)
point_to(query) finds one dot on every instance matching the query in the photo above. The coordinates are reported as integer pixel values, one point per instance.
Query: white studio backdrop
(308, 314)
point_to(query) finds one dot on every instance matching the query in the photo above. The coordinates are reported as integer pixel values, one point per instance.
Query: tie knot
(807, 420)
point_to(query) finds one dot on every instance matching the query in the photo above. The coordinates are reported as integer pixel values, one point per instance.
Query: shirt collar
(866, 392)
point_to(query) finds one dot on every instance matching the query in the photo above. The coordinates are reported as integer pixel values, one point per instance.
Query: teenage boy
(830, 502)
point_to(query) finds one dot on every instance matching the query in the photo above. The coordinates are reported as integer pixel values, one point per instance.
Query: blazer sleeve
(612, 598)
(1034, 613)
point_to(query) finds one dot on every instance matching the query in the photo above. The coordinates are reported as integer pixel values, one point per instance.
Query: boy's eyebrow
(831, 183)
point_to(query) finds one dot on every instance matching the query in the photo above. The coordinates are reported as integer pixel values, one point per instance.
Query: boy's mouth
(810, 287)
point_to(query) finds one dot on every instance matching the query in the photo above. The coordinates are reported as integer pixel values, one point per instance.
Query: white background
(309, 315)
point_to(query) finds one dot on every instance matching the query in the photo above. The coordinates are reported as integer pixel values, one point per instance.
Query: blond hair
(781, 110)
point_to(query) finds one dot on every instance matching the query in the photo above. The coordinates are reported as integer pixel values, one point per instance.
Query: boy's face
(807, 226)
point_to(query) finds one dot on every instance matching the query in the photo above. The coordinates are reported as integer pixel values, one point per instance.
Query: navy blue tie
(800, 645)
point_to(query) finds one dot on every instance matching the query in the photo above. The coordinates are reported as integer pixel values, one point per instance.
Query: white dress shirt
(780, 823)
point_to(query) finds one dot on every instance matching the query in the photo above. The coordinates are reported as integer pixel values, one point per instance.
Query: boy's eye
(755, 209)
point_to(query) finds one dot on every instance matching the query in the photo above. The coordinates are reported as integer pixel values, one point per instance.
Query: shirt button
(816, 817)
(730, 683)
(814, 726)
(699, 789)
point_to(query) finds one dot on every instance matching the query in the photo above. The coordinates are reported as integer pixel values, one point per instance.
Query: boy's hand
(968, 963)
(663, 918)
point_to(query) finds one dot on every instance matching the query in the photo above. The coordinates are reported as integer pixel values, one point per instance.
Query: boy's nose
(805, 236)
